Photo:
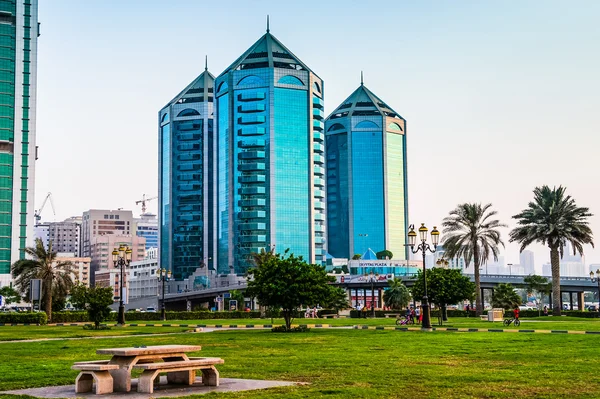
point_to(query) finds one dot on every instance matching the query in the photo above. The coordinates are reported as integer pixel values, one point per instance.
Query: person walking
(545, 310)
(418, 314)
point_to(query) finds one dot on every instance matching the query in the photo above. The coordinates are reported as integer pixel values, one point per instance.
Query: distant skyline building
(271, 157)
(187, 152)
(99, 222)
(19, 30)
(367, 198)
(526, 260)
(147, 226)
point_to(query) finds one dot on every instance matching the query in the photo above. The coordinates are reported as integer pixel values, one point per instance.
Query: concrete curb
(491, 330)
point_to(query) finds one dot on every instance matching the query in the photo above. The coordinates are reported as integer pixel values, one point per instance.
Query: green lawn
(34, 332)
(343, 363)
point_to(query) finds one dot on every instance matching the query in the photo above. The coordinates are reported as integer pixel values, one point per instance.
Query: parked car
(151, 309)
(592, 308)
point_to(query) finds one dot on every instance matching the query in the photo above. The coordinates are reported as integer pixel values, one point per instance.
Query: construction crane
(143, 202)
(37, 214)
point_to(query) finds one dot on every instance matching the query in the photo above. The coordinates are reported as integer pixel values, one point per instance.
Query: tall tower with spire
(367, 202)
(186, 186)
(271, 161)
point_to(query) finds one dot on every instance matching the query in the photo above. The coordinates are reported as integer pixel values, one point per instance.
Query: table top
(149, 350)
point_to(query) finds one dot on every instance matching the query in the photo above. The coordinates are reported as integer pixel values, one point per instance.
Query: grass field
(35, 332)
(343, 363)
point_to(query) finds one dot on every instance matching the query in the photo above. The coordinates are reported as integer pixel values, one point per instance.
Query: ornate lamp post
(424, 247)
(597, 280)
(163, 275)
(122, 259)
(371, 277)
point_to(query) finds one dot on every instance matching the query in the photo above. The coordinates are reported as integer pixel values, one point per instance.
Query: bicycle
(403, 320)
(517, 322)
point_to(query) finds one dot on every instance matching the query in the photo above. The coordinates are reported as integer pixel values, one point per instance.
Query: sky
(499, 97)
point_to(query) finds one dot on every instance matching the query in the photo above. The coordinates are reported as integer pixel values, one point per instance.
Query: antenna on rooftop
(361, 78)
(206, 62)
(268, 23)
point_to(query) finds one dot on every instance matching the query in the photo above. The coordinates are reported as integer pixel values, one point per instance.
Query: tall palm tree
(553, 219)
(470, 233)
(42, 264)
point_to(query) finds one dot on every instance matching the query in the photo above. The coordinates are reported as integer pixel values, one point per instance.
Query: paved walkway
(226, 385)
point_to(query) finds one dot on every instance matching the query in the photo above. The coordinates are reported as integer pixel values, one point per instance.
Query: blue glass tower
(271, 183)
(186, 168)
(367, 203)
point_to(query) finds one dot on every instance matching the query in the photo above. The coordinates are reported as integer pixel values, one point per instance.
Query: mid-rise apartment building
(99, 222)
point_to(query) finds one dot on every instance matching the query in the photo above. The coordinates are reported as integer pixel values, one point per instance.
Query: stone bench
(388, 315)
(330, 316)
(94, 372)
(179, 372)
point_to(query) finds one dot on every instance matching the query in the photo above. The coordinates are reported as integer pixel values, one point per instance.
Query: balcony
(320, 159)
(247, 167)
(252, 190)
(251, 96)
(251, 143)
(253, 238)
(320, 228)
(319, 136)
(318, 113)
(252, 215)
(252, 107)
(251, 131)
(252, 179)
(318, 147)
(251, 155)
(319, 240)
(253, 226)
(253, 202)
(320, 216)
(319, 205)
(319, 182)
(318, 125)
(319, 194)
(317, 102)
(319, 170)
(251, 119)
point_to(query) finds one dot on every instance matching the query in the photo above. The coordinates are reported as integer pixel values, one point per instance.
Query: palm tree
(397, 295)
(470, 233)
(42, 265)
(553, 219)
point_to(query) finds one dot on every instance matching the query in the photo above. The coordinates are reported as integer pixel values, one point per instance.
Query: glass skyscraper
(186, 170)
(19, 30)
(367, 202)
(271, 155)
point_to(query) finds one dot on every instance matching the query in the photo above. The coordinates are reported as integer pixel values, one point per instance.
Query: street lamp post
(509, 268)
(122, 259)
(424, 247)
(163, 275)
(597, 280)
(372, 277)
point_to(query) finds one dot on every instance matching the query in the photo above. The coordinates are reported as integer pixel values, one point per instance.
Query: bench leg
(210, 377)
(104, 382)
(121, 380)
(182, 377)
(146, 381)
(84, 382)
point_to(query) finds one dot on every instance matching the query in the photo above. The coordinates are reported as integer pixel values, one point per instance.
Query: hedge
(79, 316)
(24, 318)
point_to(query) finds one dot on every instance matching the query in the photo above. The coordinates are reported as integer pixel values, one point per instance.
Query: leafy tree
(356, 256)
(286, 282)
(78, 296)
(553, 219)
(397, 296)
(98, 300)
(471, 234)
(337, 299)
(42, 265)
(444, 287)
(505, 297)
(10, 295)
(385, 254)
(537, 285)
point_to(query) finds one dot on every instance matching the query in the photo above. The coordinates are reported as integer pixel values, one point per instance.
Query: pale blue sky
(498, 96)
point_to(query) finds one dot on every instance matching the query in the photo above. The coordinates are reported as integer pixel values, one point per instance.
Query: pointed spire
(268, 23)
(206, 62)
(361, 78)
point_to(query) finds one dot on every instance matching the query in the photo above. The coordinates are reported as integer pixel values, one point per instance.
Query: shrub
(24, 318)
(82, 317)
(290, 330)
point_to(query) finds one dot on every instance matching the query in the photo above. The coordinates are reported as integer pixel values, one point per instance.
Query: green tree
(505, 297)
(42, 265)
(385, 254)
(337, 299)
(469, 232)
(444, 287)
(553, 219)
(397, 296)
(78, 296)
(537, 286)
(286, 282)
(356, 256)
(10, 295)
(98, 300)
